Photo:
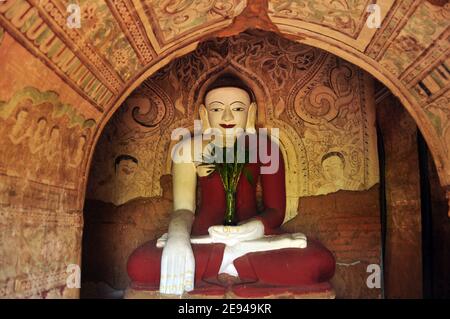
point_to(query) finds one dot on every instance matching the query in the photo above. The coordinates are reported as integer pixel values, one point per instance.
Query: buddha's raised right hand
(177, 266)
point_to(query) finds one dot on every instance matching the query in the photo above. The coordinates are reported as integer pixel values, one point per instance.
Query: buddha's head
(21, 116)
(54, 134)
(41, 124)
(126, 165)
(21, 121)
(333, 164)
(229, 105)
(81, 143)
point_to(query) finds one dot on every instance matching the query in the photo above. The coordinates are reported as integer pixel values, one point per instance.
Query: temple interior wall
(72, 81)
(440, 257)
(45, 128)
(403, 254)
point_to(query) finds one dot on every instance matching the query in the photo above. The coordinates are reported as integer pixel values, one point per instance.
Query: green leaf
(249, 176)
(230, 173)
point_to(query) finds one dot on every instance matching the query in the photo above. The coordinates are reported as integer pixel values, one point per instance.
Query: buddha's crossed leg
(287, 267)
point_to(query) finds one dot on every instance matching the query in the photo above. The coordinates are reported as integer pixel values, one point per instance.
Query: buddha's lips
(228, 125)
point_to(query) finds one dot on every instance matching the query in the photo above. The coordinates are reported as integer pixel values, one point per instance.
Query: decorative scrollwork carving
(150, 106)
(323, 102)
(153, 115)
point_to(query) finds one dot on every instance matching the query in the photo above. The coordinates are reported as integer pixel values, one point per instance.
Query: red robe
(262, 273)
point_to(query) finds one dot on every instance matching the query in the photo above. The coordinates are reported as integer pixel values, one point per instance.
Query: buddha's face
(81, 143)
(333, 168)
(41, 125)
(227, 109)
(127, 168)
(54, 135)
(22, 117)
(20, 124)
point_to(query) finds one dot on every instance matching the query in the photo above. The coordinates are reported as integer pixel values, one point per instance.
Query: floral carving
(426, 24)
(347, 16)
(177, 17)
(102, 30)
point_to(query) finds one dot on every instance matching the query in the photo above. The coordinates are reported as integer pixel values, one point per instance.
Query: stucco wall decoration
(34, 127)
(347, 16)
(44, 141)
(174, 19)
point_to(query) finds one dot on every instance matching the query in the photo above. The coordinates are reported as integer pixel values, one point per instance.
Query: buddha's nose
(227, 115)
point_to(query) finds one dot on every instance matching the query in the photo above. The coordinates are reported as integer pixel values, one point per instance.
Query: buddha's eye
(239, 109)
(216, 109)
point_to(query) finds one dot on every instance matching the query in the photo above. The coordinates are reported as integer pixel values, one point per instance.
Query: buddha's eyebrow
(238, 102)
(216, 102)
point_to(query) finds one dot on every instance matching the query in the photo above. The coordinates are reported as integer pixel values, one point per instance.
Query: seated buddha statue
(198, 248)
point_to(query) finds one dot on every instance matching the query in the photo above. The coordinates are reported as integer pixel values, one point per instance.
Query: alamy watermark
(74, 15)
(374, 18)
(235, 146)
(74, 18)
(73, 279)
(374, 279)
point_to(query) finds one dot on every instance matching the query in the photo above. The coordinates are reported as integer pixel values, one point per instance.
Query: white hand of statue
(177, 266)
(231, 235)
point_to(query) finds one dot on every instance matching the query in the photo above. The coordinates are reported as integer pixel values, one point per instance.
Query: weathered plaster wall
(403, 256)
(347, 223)
(43, 140)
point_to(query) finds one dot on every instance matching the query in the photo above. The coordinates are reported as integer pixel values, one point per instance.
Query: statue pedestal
(318, 291)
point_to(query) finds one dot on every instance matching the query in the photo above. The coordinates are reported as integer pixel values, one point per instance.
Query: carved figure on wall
(37, 140)
(74, 157)
(50, 137)
(16, 136)
(53, 147)
(284, 265)
(333, 168)
(19, 131)
(54, 153)
(125, 166)
(77, 155)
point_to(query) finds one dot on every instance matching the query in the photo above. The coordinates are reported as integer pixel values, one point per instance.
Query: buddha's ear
(251, 119)
(204, 118)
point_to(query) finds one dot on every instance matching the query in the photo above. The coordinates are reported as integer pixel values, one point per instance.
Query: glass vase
(230, 211)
